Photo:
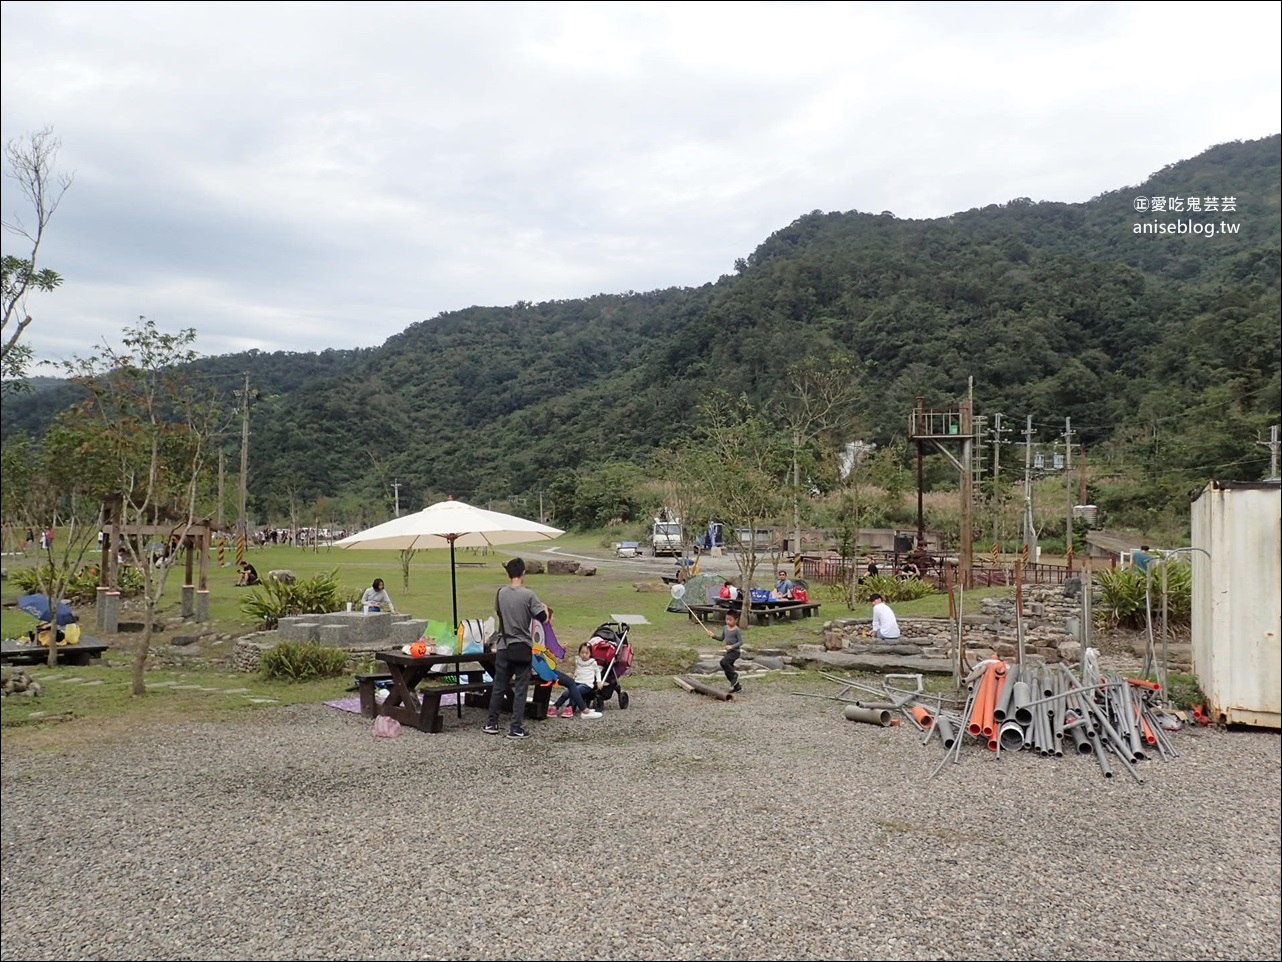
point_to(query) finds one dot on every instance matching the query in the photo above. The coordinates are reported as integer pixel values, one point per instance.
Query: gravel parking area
(682, 828)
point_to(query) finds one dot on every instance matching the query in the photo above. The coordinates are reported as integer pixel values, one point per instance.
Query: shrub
(1122, 593)
(293, 661)
(892, 588)
(273, 600)
(82, 589)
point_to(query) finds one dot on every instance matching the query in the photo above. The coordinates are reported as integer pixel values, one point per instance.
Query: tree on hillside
(736, 471)
(818, 405)
(155, 430)
(29, 162)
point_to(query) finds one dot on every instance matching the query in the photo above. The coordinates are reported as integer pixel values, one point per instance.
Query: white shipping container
(1237, 601)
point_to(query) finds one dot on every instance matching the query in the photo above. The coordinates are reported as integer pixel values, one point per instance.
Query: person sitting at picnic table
(728, 594)
(376, 598)
(910, 570)
(247, 575)
(783, 587)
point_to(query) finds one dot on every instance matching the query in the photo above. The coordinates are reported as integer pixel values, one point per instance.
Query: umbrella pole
(453, 588)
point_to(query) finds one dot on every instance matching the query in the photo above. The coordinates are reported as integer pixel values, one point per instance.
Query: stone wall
(359, 634)
(1051, 616)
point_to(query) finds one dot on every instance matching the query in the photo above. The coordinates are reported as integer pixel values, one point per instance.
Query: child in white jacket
(586, 681)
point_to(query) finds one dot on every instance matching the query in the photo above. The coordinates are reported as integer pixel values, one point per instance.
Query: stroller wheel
(623, 699)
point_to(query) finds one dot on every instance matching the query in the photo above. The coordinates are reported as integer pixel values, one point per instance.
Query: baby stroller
(613, 652)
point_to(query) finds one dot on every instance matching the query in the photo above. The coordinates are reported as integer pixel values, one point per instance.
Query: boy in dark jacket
(732, 637)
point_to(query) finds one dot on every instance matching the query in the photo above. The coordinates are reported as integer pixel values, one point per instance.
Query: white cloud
(300, 177)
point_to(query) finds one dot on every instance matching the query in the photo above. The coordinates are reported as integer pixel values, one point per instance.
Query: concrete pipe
(873, 716)
(1011, 736)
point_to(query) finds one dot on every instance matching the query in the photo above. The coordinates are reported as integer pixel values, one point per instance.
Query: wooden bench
(431, 695)
(82, 653)
(758, 614)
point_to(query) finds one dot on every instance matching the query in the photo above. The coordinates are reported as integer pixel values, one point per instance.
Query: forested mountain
(1164, 348)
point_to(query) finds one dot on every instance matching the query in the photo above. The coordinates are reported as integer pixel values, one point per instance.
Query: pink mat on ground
(352, 703)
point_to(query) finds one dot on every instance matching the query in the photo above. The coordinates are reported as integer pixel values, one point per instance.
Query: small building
(1237, 601)
(1110, 548)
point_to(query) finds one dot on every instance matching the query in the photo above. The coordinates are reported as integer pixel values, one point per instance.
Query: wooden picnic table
(416, 686)
(83, 652)
(760, 613)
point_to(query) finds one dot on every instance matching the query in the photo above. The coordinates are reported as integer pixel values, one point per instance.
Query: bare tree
(156, 429)
(820, 399)
(735, 472)
(29, 161)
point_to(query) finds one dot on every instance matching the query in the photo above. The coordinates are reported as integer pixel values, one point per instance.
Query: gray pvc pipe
(945, 730)
(1078, 731)
(1020, 698)
(1100, 757)
(873, 716)
(878, 705)
(1001, 708)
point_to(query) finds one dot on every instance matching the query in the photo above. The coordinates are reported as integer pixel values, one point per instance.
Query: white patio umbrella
(450, 523)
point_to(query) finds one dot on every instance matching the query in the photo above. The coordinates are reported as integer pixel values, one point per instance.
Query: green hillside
(1162, 349)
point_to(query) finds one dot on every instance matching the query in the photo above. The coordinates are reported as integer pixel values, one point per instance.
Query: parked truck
(666, 536)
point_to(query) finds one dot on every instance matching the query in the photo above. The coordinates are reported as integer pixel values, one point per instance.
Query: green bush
(293, 661)
(1122, 592)
(892, 588)
(82, 589)
(273, 600)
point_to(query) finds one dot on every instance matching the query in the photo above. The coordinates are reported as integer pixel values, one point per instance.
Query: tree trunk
(698, 687)
(144, 646)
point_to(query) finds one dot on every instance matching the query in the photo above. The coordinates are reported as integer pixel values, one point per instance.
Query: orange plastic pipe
(924, 718)
(998, 671)
(1144, 683)
(1149, 737)
(976, 724)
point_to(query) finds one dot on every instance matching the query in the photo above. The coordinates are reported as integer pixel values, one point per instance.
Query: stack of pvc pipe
(1014, 707)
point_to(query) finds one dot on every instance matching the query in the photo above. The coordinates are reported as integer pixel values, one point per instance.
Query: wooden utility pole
(997, 474)
(242, 523)
(967, 429)
(1030, 533)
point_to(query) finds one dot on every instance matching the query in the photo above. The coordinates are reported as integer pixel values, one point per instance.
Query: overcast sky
(299, 176)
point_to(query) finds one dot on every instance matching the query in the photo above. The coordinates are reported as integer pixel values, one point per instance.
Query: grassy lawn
(97, 701)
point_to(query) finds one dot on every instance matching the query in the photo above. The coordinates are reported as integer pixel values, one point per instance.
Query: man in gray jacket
(516, 606)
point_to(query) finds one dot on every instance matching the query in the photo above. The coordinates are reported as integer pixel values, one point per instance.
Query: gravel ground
(683, 828)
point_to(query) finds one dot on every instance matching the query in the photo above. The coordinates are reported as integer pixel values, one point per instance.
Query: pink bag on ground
(385, 726)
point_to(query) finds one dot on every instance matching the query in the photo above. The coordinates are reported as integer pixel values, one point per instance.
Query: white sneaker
(590, 713)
